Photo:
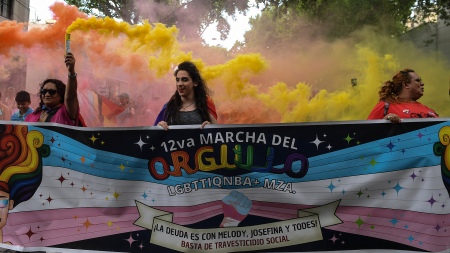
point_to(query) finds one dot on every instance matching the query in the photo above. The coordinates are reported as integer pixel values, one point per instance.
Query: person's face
(5, 205)
(23, 107)
(51, 97)
(415, 86)
(123, 100)
(185, 85)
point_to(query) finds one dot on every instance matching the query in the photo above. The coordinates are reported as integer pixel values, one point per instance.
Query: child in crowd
(23, 102)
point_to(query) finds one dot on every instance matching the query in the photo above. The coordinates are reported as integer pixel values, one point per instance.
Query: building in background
(15, 73)
(18, 10)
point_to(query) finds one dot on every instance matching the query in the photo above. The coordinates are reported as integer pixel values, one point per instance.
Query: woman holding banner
(59, 103)
(398, 99)
(191, 103)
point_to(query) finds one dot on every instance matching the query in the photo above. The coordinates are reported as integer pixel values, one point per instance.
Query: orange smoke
(308, 80)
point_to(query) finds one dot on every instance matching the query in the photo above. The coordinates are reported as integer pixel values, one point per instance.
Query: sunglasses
(49, 91)
(4, 203)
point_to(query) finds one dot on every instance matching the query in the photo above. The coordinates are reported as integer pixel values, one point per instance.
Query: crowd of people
(191, 103)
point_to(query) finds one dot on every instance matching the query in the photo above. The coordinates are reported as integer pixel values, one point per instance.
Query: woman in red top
(398, 99)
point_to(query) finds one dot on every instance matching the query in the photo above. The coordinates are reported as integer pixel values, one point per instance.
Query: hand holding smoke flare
(67, 45)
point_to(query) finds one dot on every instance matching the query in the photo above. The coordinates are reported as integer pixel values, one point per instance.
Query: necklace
(183, 108)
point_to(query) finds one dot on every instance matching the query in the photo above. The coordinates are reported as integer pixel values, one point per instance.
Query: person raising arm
(59, 103)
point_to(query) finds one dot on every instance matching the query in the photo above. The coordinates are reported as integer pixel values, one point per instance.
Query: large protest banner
(334, 186)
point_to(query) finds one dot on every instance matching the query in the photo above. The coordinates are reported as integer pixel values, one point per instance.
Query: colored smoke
(307, 81)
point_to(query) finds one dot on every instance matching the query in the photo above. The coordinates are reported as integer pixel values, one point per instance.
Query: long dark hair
(60, 89)
(390, 89)
(201, 93)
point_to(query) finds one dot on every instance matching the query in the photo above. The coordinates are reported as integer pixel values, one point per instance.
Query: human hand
(394, 118)
(204, 124)
(236, 207)
(70, 63)
(163, 124)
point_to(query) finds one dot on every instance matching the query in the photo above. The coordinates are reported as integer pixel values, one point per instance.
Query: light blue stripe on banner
(400, 152)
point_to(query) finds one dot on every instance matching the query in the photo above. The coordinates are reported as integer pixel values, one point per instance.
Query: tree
(339, 18)
(191, 16)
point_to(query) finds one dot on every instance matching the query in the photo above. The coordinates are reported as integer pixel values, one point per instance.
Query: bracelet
(72, 76)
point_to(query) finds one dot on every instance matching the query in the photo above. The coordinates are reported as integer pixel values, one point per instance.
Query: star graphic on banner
(140, 143)
(373, 162)
(30, 233)
(390, 146)
(93, 139)
(437, 227)
(152, 148)
(359, 222)
(331, 187)
(420, 135)
(130, 240)
(52, 140)
(87, 223)
(116, 195)
(333, 239)
(413, 176)
(49, 199)
(317, 142)
(61, 179)
(82, 159)
(83, 188)
(144, 195)
(359, 193)
(432, 201)
(122, 167)
(397, 188)
(394, 221)
(348, 139)
(109, 223)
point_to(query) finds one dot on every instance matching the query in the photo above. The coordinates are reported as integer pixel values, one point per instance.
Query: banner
(332, 186)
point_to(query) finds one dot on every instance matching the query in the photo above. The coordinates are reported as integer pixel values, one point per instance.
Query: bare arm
(70, 97)
(213, 121)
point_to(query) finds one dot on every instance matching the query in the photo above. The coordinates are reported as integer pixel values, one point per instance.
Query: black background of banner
(304, 134)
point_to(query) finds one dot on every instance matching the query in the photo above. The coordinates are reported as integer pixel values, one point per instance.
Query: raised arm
(70, 97)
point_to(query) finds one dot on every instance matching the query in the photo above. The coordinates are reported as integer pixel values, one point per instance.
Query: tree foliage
(339, 18)
(193, 16)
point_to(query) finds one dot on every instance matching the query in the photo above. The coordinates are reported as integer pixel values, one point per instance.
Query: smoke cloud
(307, 80)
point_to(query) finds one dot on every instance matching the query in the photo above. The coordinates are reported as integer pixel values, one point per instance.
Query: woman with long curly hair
(191, 103)
(398, 98)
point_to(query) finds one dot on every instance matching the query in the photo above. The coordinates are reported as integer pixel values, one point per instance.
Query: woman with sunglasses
(59, 103)
(398, 99)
